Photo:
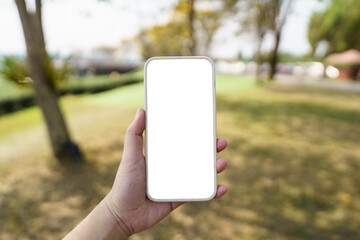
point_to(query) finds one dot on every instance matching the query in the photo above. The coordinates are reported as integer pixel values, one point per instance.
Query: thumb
(133, 145)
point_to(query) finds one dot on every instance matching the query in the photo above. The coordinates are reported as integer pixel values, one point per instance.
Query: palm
(141, 213)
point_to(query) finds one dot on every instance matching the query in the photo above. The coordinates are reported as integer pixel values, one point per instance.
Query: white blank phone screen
(180, 129)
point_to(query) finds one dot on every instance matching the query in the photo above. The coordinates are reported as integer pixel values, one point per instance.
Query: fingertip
(140, 113)
(221, 191)
(221, 164)
(138, 124)
(221, 144)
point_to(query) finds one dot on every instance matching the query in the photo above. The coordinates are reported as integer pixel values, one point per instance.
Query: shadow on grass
(54, 199)
(293, 188)
(297, 195)
(293, 174)
(310, 91)
(312, 121)
(275, 109)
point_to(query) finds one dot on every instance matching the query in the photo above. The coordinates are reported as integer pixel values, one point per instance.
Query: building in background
(348, 63)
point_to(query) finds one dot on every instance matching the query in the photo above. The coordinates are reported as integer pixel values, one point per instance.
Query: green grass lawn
(293, 166)
(10, 90)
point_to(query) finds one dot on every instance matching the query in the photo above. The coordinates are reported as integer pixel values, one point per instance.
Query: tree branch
(286, 13)
(24, 15)
(38, 9)
(25, 18)
(39, 17)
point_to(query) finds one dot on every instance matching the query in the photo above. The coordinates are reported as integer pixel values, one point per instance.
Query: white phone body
(180, 136)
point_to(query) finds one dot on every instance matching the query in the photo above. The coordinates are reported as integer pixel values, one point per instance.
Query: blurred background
(288, 101)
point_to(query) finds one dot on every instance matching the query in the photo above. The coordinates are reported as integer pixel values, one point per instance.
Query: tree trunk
(279, 21)
(274, 56)
(40, 70)
(191, 18)
(258, 59)
(313, 50)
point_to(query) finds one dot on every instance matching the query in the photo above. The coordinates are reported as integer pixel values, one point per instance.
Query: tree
(315, 34)
(209, 21)
(280, 10)
(190, 21)
(189, 32)
(261, 17)
(42, 73)
(257, 19)
(169, 39)
(338, 25)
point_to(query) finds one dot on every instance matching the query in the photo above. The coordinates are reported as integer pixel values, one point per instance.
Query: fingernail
(137, 113)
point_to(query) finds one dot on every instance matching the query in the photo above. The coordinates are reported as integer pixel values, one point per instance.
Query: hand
(126, 209)
(127, 200)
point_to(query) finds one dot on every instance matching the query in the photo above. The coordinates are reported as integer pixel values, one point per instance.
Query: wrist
(101, 223)
(122, 227)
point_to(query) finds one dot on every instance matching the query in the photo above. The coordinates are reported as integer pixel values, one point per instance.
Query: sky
(81, 25)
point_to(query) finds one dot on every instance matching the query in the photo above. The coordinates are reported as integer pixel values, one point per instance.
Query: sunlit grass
(132, 95)
(18, 121)
(230, 83)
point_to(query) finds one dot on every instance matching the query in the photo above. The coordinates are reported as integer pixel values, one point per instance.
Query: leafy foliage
(168, 39)
(209, 22)
(13, 69)
(13, 97)
(338, 25)
(178, 36)
(261, 18)
(315, 34)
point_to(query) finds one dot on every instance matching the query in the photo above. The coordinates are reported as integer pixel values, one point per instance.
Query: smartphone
(180, 134)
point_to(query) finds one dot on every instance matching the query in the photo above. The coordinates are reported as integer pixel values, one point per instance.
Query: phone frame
(214, 128)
